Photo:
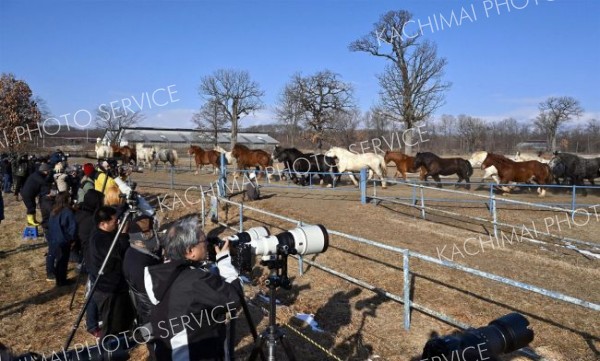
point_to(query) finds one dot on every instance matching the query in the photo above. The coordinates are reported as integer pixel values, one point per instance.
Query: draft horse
(125, 153)
(352, 162)
(204, 157)
(519, 172)
(247, 158)
(436, 166)
(302, 164)
(166, 156)
(404, 163)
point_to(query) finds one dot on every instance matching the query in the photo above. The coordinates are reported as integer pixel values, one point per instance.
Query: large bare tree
(411, 85)
(235, 93)
(212, 118)
(290, 113)
(321, 97)
(18, 111)
(113, 119)
(554, 112)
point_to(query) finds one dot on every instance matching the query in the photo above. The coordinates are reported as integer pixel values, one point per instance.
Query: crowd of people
(146, 280)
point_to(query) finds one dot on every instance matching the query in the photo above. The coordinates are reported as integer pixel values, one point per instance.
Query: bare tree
(113, 119)
(211, 118)
(235, 93)
(554, 112)
(344, 126)
(447, 127)
(472, 131)
(593, 132)
(376, 122)
(321, 97)
(18, 110)
(290, 113)
(411, 86)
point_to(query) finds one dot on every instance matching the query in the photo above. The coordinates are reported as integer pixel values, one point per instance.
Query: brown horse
(404, 163)
(247, 158)
(125, 153)
(204, 157)
(519, 172)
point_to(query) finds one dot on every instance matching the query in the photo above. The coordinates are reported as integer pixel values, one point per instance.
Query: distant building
(181, 138)
(534, 145)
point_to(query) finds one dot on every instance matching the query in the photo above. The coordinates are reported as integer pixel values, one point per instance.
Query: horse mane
(500, 157)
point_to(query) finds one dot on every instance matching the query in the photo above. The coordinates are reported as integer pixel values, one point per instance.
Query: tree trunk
(407, 138)
(234, 124)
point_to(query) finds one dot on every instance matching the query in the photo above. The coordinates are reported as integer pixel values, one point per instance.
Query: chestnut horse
(519, 172)
(247, 158)
(436, 166)
(204, 157)
(404, 163)
(125, 153)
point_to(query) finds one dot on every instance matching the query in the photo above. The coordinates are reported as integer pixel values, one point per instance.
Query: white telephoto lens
(310, 239)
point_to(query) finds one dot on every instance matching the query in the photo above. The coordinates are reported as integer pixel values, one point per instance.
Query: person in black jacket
(85, 225)
(112, 293)
(20, 173)
(192, 305)
(36, 185)
(142, 252)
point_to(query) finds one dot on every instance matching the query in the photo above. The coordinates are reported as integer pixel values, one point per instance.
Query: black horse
(299, 165)
(574, 169)
(437, 166)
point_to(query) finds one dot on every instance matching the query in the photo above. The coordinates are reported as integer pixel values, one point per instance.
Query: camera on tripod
(257, 241)
(133, 198)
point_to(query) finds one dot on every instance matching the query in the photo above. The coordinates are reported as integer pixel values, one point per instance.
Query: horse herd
(543, 170)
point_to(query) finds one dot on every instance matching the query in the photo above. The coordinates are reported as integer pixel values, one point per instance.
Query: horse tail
(469, 168)
(175, 156)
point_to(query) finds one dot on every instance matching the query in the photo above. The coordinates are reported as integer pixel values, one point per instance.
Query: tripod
(273, 334)
(129, 213)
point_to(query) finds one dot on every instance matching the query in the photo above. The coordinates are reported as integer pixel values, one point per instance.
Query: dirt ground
(357, 324)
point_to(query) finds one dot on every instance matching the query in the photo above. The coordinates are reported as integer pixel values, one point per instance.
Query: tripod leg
(75, 287)
(287, 348)
(258, 344)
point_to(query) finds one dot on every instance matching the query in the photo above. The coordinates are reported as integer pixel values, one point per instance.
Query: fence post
(406, 290)
(202, 207)
(422, 202)
(414, 195)
(491, 196)
(172, 180)
(494, 215)
(222, 176)
(300, 260)
(363, 186)
(573, 201)
(241, 217)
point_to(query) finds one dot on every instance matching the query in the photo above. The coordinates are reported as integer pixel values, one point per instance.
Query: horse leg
(353, 179)
(437, 179)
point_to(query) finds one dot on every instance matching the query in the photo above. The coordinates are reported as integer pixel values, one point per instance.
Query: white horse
(352, 162)
(166, 156)
(522, 157)
(103, 151)
(228, 157)
(144, 155)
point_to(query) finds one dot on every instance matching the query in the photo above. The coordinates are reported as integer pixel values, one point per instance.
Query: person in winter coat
(20, 173)
(62, 230)
(112, 293)
(143, 252)
(37, 185)
(7, 171)
(181, 292)
(85, 225)
(87, 181)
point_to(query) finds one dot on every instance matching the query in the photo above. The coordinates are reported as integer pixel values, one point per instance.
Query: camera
(133, 198)
(258, 242)
(503, 335)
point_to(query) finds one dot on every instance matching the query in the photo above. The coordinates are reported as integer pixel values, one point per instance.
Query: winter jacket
(85, 220)
(99, 182)
(112, 281)
(36, 185)
(136, 259)
(85, 185)
(183, 294)
(62, 227)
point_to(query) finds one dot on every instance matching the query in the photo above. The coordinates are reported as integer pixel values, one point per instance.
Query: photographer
(191, 303)
(36, 185)
(104, 177)
(112, 292)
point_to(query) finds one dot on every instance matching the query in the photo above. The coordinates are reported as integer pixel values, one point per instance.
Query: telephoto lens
(503, 335)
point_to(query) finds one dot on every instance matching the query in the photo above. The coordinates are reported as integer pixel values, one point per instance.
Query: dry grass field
(357, 324)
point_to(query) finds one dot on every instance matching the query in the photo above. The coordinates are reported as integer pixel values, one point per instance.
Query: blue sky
(503, 59)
